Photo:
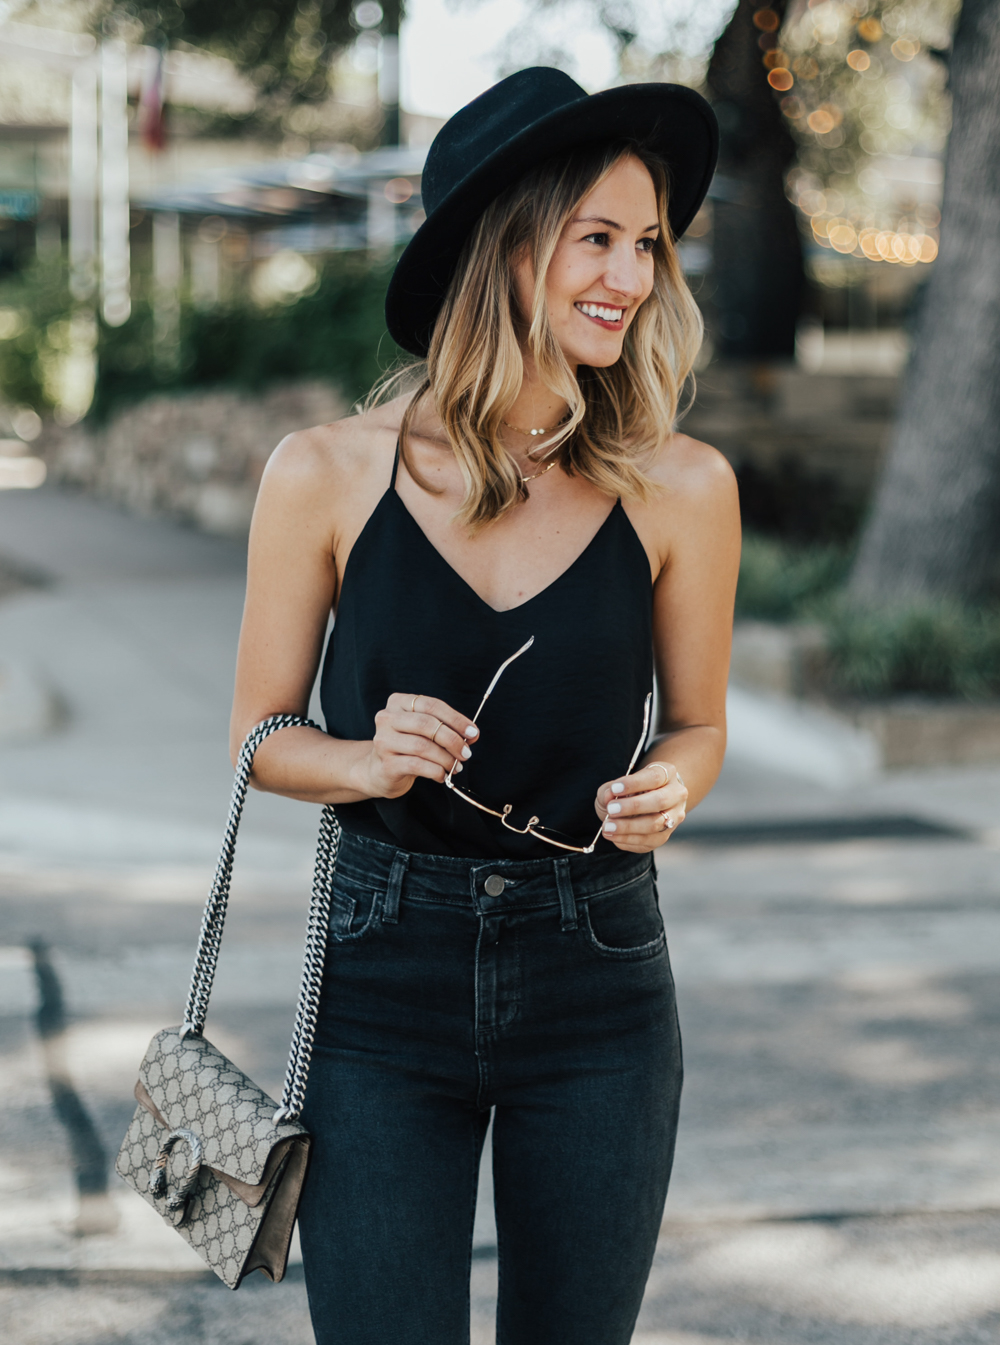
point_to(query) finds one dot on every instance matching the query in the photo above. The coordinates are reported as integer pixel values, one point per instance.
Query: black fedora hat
(520, 122)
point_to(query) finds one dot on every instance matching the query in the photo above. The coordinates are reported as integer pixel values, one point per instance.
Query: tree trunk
(933, 527)
(757, 253)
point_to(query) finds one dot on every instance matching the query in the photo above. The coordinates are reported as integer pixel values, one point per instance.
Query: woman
(524, 534)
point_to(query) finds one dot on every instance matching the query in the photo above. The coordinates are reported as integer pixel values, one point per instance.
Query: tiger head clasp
(178, 1199)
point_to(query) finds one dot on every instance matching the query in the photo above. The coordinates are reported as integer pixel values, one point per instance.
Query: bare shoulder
(343, 455)
(696, 510)
(692, 473)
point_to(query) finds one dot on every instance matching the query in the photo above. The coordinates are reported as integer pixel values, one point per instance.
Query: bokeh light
(781, 79)
(398, 190)
(858, 60)
(767, 20)
(870, 30)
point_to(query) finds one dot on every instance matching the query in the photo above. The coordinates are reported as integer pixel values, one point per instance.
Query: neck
(536, 406)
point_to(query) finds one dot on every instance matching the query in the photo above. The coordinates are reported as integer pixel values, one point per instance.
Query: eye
(647, 244)
(601, 240)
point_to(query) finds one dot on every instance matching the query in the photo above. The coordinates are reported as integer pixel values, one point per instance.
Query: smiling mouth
(602, 313)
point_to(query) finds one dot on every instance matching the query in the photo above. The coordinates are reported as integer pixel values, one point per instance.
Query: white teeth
(605, 314)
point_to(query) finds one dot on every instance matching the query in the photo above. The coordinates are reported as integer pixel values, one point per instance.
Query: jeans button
(494, 885)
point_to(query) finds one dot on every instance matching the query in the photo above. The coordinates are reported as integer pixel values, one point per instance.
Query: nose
(623, 276)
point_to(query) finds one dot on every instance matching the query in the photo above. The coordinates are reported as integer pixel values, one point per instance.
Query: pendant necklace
(541, 471)
(533, 433)
(522, 479)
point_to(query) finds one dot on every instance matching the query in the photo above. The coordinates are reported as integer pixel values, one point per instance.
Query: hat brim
(674, 121)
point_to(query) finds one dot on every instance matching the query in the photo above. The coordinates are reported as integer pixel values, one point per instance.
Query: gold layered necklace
(534, 434)
(544, 429)
(541, 471)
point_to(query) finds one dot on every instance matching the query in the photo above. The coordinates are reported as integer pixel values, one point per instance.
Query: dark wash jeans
(546, 997)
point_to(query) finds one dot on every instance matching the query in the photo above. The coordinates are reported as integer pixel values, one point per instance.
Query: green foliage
(781, 581)
(934, 649)
(337, 333)
(35, 311)
(285, 46)
(929, 649)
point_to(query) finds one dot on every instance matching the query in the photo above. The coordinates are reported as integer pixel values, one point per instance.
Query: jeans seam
(472, 1223)
(480, 1065)
(637, 954)
(609, 891)
(374, 918)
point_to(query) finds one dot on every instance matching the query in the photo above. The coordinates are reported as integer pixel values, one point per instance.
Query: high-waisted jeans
(539, 990)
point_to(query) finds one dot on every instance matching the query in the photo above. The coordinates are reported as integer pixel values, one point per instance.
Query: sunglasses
(534, 826)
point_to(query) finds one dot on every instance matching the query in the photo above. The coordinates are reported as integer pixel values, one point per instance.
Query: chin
(596, 355)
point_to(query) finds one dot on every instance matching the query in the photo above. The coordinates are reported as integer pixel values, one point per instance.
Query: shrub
(781, 581)
(923, 648)
(336, 333)
(929, 649)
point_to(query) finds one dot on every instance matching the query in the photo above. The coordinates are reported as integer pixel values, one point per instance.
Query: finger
(413, 745)
(640, 846)
(657, 775)
(401, 768)
(425, 726)
(439, 732)
(661, 823)
(437, 709)
(634, 805)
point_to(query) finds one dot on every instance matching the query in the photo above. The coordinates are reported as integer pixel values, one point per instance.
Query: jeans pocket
(626, 923)
(355, 908)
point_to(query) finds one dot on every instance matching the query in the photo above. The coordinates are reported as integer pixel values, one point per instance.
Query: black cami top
(565, 717)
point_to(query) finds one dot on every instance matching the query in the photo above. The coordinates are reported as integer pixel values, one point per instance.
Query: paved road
(837, 1174)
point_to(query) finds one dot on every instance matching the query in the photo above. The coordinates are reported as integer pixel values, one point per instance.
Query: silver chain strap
(214, 919)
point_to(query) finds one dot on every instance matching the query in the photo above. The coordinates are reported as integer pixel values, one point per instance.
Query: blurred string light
(859, 85)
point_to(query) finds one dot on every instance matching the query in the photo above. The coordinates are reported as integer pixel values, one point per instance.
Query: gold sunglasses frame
(508, 808)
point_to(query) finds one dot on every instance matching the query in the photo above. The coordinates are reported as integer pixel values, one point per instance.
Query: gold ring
(434, 737)
(413, 702)
(666, 773)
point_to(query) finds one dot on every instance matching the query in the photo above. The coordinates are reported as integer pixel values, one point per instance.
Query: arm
(692, 633)
(313, 500)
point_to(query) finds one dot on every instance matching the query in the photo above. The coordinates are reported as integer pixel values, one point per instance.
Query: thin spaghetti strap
(395, 468)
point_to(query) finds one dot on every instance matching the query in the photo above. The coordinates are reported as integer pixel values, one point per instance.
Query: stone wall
(833, 425)
(197, 456)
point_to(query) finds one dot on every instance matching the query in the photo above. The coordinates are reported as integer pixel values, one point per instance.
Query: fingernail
(617, 788)
(458, 767)
(610, 826)
(466, 753)
(614, 807)
(472, 731)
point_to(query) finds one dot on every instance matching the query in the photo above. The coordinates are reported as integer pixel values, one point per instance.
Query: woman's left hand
(642, 811)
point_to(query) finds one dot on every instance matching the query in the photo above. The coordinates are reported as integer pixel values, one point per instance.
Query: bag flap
(191, 1085)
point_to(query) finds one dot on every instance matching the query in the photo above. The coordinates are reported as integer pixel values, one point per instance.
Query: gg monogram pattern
(241, 1205)
(193, 1086)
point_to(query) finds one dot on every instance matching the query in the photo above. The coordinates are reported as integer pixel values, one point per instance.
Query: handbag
(217, 1158)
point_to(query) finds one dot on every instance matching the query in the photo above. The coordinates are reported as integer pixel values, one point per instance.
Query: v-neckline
(518, 607)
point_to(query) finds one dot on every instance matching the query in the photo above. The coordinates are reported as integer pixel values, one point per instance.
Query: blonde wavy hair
(618, 416)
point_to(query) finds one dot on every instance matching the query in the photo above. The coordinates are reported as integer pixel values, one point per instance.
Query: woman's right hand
(414, 736)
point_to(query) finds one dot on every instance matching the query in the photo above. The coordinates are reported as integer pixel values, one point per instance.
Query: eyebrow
(611, 224)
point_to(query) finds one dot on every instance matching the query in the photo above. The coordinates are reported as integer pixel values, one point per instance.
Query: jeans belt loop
(390, 911)
(567, 901)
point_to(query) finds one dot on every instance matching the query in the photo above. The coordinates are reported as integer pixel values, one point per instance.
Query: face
(602, 268)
